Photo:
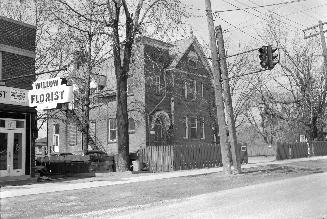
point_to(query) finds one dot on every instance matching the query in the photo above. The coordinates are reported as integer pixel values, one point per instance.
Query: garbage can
(137, 166)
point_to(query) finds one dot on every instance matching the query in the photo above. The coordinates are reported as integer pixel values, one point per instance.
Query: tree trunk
(86, 122)
(122, 124)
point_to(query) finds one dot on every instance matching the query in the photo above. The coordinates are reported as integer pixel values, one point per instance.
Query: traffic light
(272, 58)
(264, 62)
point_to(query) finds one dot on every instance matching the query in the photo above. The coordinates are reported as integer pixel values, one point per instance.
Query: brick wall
(200, 107)
(18, 38)
(15, 65)
(17, 34)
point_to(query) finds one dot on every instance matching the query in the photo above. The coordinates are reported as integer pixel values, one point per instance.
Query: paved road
(301, 197)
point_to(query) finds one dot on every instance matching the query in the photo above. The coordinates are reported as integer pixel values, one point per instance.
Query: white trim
(18, 51)
(202, 90)
(0, 65)
(186, 128)
(157, 84)
(202, 125)
(188, 83)
(11, 131)
(187, 73)
(195, 90)
(109, 129)
(196, 127)
(185, 89)
(131, 131)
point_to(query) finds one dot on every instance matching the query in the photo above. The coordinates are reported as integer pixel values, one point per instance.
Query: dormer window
(190, 91)
(157, 84)
(192, 59)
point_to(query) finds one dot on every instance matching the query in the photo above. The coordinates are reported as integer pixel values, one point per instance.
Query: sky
(243, 27)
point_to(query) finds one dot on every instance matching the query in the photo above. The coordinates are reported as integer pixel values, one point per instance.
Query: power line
(238, 28)
(261, 6)
(244, 25)
(262, 18)
(277, 14)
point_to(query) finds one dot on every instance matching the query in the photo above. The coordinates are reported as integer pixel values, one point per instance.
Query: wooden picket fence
(319, 148)
(180, 157)
(298, 150)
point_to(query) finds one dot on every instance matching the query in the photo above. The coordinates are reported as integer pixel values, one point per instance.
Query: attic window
(192, 63)
(192, 59)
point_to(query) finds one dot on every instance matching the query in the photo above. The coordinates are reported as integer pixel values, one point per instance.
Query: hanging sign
(46, 94)
(14, 96)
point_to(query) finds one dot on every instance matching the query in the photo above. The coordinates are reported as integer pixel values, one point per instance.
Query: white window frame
(202, 89)
(131, 131)
(196, 127)
(55, 139)
(186, 128)
(202, 128)
(186, 83)
(56, 142)
(195, 89)
(109, 130)
(157, 84)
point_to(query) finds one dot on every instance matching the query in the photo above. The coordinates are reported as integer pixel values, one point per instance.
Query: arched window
(131, 126)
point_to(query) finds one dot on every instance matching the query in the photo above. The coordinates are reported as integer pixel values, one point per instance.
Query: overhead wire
(260, 6)
(241, 26)
(274, 13)
(238, 28)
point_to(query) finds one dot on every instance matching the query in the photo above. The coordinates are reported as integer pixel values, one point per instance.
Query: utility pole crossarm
(317, 32)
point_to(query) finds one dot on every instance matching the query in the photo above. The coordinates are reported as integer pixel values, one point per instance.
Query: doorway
(12, 147)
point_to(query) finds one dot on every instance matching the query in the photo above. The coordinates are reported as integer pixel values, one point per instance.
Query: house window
(131, 126)
(202, 90)
(157, 84)
(190, 89)
(112, 132)
(185, 127)
(202, 135)
(194, 127)
(130, 86)
(192, 63)
(72, 134)
(56, 138)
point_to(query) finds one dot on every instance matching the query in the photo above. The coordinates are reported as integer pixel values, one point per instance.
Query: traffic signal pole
(228, 101)
(224, 147)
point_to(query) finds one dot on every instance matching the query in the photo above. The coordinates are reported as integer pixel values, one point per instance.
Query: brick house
(18, 129)
(170, 100)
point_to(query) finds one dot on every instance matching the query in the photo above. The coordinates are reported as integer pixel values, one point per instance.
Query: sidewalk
(116, 179)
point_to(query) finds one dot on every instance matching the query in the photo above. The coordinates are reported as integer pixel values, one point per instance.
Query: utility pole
(320, 32)
(224, 147)
(228, 101)
(322, 38)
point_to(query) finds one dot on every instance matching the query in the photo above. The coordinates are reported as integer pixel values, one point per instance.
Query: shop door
(12, 148)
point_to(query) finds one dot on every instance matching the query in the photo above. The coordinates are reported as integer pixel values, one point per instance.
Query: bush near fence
(180, 157)
(300, 149)
(72, 164)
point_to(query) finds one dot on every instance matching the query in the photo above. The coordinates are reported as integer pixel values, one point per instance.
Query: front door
(12, 147)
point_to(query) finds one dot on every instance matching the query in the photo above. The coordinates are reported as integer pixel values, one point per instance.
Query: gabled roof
(180, 47)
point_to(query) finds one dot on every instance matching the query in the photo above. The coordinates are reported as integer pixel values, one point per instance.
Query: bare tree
(293, 95)
(121, 21)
